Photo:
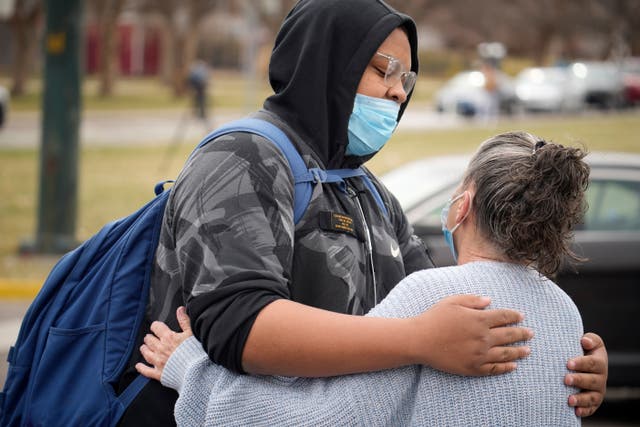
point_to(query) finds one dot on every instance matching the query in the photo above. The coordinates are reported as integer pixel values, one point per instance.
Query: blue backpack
(79, 332)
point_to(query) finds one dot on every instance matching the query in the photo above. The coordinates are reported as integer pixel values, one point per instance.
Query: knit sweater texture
(533, 395)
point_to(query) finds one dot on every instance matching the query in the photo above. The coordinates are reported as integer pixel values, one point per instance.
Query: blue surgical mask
(448, 234)
(371, 124)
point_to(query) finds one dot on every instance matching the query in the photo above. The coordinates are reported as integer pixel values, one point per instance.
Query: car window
(428, 214)
(613, 205)
(431, 218)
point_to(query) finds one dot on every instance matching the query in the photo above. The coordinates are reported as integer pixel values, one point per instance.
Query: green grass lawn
(227, 89)
(116, 180)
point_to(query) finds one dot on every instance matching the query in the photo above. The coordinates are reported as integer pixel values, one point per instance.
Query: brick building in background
(139, 48)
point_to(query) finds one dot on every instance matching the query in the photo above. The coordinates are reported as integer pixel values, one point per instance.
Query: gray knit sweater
(533, 395)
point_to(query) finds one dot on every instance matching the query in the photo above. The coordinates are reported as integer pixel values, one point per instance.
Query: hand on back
(457, 335)
(160, 345)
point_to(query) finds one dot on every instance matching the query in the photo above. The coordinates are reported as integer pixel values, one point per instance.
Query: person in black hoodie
(269, 297)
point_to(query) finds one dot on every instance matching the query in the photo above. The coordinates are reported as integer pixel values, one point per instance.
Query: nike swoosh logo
(395, 251)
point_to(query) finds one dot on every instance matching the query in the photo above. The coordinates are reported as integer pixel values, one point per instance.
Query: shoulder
(233, 171)
(419, 291)
(231, 156)
(559, 306)
(243, 145)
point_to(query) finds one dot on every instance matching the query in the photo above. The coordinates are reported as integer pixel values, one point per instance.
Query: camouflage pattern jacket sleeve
(229, 245)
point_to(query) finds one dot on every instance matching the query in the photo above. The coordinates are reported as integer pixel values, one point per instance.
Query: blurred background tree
(108, 12)
(181, 27)
(168, 35)
(546, 28)
(24, 21)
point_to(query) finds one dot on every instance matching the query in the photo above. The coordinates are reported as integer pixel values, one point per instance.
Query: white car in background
(465, 94)
(549, 89)
(602, 83)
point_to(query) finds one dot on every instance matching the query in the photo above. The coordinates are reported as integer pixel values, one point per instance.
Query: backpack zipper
(367, 237)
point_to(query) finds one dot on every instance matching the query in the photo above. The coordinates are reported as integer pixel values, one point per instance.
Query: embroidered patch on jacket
(341, 223)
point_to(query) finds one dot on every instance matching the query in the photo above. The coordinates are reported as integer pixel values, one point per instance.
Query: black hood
(320, 54)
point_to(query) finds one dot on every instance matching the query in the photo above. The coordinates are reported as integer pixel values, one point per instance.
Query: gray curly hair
(529, 195)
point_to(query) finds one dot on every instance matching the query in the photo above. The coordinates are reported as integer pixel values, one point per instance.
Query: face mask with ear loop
(371, 124)
(448, 234)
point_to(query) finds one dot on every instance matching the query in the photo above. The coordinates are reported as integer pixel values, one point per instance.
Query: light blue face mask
(371, 124)
(448, 234)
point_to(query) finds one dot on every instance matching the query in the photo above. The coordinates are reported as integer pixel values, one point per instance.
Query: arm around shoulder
(456, 335)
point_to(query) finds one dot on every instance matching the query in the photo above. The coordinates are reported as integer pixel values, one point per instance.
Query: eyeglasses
(396, 72)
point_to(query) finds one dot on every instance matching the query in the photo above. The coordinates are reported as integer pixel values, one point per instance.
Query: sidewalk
(149, 127)
(23, 129)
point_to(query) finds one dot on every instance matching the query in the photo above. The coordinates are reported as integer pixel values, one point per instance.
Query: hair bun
(541, 143)
(529, 195)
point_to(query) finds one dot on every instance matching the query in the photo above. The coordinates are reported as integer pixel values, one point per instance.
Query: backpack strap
(128, 396)
(303, 177)
(337, 176)
(375, 193)
(302, 190)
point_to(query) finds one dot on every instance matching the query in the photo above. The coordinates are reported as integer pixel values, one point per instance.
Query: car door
(606, 288)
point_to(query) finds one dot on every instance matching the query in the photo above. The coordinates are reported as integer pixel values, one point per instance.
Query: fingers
(510, 335)
(469, 301)
(507, 354)
(497, 368)
(152, 342)
(591, 378)
(585, 403)
(160, 328)
(591, 341)
(589, 364)
(183, 320)
(588, 382)
(159, 345)
(152, 357)
(502, 317)
(148, 371)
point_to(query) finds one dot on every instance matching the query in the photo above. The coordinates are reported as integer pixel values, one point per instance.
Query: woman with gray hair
(509, 226)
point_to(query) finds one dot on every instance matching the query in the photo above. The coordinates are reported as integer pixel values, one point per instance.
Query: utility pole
(57, 200)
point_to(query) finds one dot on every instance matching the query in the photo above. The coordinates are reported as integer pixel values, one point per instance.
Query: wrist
(176, 367)
(416, 341)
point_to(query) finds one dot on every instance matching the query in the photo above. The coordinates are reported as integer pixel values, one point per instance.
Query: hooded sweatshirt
(228, 245)
(320, 54)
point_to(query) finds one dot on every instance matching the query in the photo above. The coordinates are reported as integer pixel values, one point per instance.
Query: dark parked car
(606, 288)
(4, 105)
(631, 78)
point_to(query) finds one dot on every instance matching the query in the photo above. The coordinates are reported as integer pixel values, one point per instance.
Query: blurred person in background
(198, 80)
(509, 226)
(491, 108)
(269, 297)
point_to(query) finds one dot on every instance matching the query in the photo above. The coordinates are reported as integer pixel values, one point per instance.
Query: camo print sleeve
(231, 225)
